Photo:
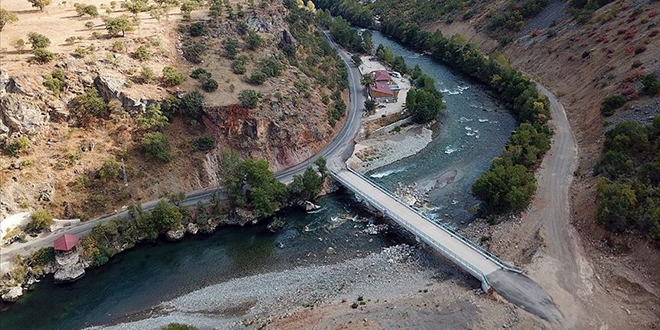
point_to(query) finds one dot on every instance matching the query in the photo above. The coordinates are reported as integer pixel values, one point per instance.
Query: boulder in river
(175, 235)
(192, 228)
(309, 206)
(12, 294)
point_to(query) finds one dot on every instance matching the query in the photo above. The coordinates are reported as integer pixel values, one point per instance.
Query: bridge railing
(442, 226)
(448, 253)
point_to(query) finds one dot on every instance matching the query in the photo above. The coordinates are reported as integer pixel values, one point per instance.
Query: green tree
(136, 6)
(370, 106)
(367, 80)
(249, 98)
(157, 146)
(172, 76)
(110, 170)
(191, 104)
(321, 165)
(356, 59)
(38, 41)
(611, 103)
(83, 9)
(166, 216)
(505, 188)
(210, 85)
(7, 17)
(121, 24)
(651, 84)
(423, 104)
(231, 48)
(18, 44)
(41, 4)
(253, 40)
(141, 54)
(89, 105)
(41, 219)
(153, 118)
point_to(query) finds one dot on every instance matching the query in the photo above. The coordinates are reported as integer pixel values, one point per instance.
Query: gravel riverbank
(400, 279)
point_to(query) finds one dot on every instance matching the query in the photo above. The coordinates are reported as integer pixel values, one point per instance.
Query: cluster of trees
(250, 183)
(396, 62)
(39, 44)
(629, 190)
(514, 15)
(344, 34)
(424, 102)
(209, 84)
(99, 246)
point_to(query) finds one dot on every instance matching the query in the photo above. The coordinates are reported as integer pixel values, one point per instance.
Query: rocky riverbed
(400, 285)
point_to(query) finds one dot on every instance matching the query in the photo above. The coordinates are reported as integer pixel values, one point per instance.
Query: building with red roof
(65, 242)
(382, 76)
(381, 92)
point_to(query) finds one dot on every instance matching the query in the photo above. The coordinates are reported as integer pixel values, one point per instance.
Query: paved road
(336, 152)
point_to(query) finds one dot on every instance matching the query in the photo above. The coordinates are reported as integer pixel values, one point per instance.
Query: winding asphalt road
(336, 152)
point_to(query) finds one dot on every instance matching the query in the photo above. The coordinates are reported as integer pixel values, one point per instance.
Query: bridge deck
(455, 248)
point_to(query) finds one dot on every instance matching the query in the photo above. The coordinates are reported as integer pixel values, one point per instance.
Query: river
(471, 132)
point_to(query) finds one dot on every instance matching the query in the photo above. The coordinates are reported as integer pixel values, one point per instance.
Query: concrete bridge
(460, 250)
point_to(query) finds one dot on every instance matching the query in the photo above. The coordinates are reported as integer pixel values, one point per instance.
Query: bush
(79, 52)
(89, 105)
(172, 76)
(153, 118)
(651, 84)
(117, 47)
(210, 85)
(204, 143)
(253, 41)
(611, 103)
(191, 104)
(157, 146)
(121, 24)
(231, 48)
(43, 55)
(256, 78)
(197, 29)
(505, 187)
(82, 9)
(200, 74)
(110, 170)
(18, 146)
(141, 54)
(38, 41)
(89, 24)
(166, 217)
(193, 51)
(147, 74)
(55, 81)
(248, 98)
(271, 67)
(41, 220)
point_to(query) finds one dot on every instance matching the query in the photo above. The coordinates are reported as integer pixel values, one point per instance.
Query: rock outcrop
(192, 228)
(175, 235)
(69, 267)
(111, 86)
(18, 114)
(12, 294)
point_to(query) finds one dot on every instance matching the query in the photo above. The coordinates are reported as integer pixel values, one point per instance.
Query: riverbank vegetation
(509, 185)
(629, 189)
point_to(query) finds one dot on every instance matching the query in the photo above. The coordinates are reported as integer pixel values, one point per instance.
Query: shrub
(40, 3)
(117, 47)
(157, 146)
(191, 104)
(89, 105)
(41, 220)
(18, 44)
(253, 41)
(238, 65)
(172, 76)
(141, 54)
(7, 17)
(200, 74)
(231, 48)
(197, 29)
(55, 81)
(110, 170)
(651, 84)
(89, 24)
(82, 9)
(18, 146)
(193, 51)
(147, 74)
(43, 55)
(204, 143)
(271, 67)
(153, 118)
(79, 52)
(611, 103)
(248, 98)
(256, 78)
(210, 85)
(38, 41)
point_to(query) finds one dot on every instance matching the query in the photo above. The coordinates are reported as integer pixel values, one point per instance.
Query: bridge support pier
(485, 286)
